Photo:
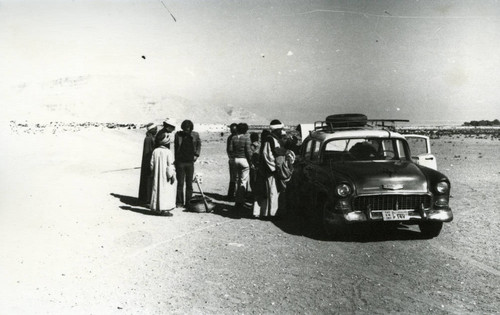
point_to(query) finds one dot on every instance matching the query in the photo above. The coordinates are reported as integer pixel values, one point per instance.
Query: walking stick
(201, 191)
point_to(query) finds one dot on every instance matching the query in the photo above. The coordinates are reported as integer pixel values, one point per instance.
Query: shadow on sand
(227, 209)
(289, 223)
(366, 233)
(129, 200)
(221, 206)
(141, 210)
(134, 204)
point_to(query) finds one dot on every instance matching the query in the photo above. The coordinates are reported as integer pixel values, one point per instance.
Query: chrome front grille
(391, 202)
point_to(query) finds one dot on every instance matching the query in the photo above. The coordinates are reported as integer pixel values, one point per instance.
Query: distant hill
(477, 123)
(112, 99)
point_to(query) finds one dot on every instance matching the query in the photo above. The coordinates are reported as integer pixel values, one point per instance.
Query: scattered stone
(235, 244)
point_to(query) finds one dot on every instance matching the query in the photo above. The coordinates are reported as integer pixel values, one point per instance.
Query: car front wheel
(334, 226)
(430, 229)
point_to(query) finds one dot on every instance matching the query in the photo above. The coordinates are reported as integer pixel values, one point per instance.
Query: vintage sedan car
(357, 172)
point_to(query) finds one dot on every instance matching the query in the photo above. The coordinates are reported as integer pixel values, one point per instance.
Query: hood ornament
(393, 186)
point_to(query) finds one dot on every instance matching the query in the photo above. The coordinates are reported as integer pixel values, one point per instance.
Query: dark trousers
(185, 173)
(232, 179)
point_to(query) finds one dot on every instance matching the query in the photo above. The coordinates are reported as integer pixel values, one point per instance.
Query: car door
(312, 178)
(311, 169)
(307, 164)
(420, 147)
(298, 187)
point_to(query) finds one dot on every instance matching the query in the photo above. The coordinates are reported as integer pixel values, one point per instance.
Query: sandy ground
(73, 240)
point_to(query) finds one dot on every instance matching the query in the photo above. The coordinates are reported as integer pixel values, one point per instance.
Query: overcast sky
(294, 60)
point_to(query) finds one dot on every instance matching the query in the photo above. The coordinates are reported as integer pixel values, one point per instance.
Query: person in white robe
(164, 189)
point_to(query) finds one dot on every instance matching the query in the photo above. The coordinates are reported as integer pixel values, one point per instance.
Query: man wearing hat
(272, 146)
(168, 127)
(147, 151)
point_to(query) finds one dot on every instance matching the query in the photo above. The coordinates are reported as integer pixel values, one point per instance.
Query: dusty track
(75, 241)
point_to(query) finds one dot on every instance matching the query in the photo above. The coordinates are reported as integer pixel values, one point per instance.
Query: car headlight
(442, 187)
(343, 190)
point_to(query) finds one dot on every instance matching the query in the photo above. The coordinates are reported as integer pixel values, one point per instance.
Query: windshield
(365, 149)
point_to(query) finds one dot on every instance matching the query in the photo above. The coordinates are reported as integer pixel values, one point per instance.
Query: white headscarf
(276, 124)
(166, 140)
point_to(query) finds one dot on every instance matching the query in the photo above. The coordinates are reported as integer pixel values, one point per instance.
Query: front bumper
(413, 216)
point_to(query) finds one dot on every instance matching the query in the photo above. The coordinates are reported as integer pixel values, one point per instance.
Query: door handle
(429, 158)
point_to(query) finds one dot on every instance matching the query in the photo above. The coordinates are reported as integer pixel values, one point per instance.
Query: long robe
(145, 182)
(163, 171)
(267, 196)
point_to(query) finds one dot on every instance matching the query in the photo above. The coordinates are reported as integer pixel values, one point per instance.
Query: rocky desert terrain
(74, 239)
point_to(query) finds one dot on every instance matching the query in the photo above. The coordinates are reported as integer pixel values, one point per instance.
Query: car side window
(403, 150)
(417, 145)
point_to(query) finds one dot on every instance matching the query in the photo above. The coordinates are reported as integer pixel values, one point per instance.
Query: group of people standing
(163, 165)
(264, 164)
(260, 164)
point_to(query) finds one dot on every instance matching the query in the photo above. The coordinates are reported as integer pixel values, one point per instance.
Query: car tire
(430, 229)
(335, 228)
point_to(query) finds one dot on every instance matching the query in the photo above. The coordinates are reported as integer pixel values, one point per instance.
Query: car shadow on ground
(297, 225)
(288, 223)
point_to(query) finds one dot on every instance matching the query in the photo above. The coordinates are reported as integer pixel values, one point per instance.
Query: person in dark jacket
(240, 149)
(232, 167)
(147, 151)
(254, 161)
(187, 150)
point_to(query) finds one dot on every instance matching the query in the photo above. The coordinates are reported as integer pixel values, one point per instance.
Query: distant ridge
(100, 98)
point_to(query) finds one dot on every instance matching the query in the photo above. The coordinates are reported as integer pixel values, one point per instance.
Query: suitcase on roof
(347, 120)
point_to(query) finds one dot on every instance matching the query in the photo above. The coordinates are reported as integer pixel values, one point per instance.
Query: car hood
(384, 177)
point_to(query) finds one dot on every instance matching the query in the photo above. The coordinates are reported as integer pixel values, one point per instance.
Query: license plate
(395, 215)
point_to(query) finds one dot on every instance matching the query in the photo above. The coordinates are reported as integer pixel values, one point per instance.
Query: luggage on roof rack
(355, 121)
(346, 120)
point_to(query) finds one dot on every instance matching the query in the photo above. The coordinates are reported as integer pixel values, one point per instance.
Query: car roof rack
(385, 124)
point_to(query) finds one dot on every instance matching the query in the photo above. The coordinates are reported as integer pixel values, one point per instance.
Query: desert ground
(74, 239)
